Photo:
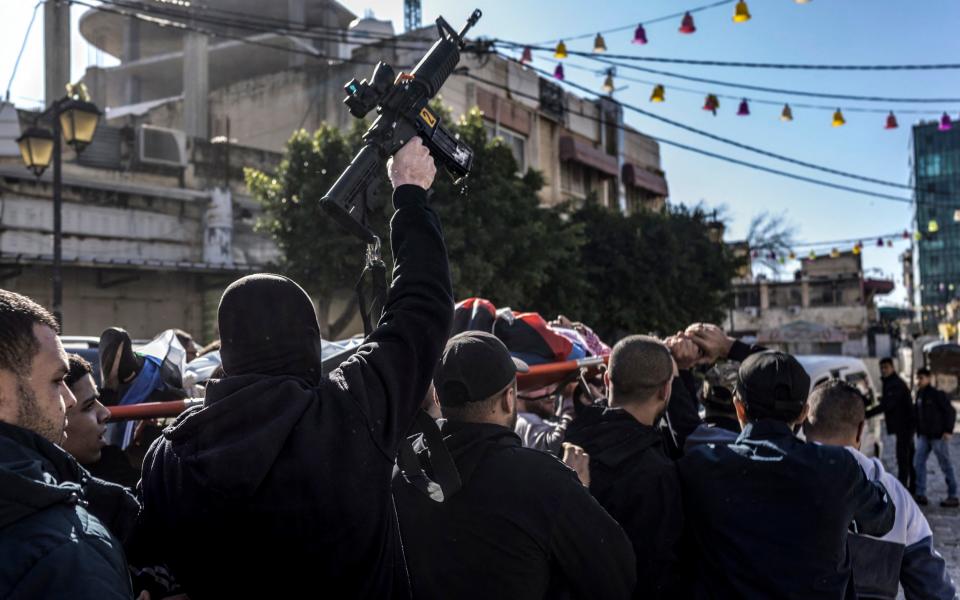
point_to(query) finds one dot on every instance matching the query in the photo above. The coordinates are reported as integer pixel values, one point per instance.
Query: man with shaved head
(904, 556)
(630, 473)
(279, 485)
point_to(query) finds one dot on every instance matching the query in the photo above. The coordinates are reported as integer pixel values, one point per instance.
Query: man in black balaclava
(279, 485)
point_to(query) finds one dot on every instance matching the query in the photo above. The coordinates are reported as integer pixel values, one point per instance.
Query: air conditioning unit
(161, 146)
(752, 311)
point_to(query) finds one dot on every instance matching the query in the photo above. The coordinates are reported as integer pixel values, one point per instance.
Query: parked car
(821, 367)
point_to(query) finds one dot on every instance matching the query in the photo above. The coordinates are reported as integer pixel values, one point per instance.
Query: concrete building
(156, 217)
(827, 309)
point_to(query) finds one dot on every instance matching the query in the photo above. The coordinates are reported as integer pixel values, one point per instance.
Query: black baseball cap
(475, 365)
(773, 380)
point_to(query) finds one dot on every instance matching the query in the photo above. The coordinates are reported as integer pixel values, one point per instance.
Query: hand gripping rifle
(402, 112)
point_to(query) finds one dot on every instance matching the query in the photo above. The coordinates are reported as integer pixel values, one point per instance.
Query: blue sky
(823, 31)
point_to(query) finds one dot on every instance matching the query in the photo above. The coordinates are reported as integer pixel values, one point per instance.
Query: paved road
(945, 522)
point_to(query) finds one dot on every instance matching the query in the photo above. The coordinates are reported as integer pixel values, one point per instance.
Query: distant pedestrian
(767, 516)
(900, 416)
(936, 419)
(904, 556)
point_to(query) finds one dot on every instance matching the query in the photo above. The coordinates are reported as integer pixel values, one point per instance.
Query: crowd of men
(417, 468)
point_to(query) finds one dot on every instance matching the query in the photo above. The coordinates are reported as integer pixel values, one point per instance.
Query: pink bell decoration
(640, 35)
(744, 109)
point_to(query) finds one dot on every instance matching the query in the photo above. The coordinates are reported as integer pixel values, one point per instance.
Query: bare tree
(771, 237)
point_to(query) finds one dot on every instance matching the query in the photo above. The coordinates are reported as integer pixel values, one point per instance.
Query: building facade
(157, 219)
(828, 308)
(936, 177)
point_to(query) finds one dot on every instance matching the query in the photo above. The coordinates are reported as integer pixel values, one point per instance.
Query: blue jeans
(941, 449)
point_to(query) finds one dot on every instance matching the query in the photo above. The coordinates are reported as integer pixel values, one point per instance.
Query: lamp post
(75, 121)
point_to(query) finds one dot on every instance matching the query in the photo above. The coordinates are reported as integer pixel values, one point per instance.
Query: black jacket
(897, 405)
(767, 516)
(935, 414)
(632, 477)
(278, 488)
(54, 520)
(521, 527)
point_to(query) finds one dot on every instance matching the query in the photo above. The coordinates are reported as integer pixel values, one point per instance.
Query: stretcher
(539, 376)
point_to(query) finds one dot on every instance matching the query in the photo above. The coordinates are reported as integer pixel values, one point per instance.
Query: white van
(821, 367)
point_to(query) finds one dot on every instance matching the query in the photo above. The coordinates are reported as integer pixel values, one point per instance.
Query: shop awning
(639, 177)
(584, 153)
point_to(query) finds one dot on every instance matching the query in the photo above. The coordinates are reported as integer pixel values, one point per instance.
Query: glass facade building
(936, 175)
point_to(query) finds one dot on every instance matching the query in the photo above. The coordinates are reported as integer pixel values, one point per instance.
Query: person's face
(86, 423)
(923, 381)
(40, 395)
(886, 369)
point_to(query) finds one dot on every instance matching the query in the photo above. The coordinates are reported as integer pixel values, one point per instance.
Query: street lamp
(75, 120)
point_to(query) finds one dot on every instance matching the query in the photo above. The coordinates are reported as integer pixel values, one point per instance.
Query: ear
(860, 430)
(9, 398)
(508, 401)
(803, 414)
(666, 391)
(606, 381)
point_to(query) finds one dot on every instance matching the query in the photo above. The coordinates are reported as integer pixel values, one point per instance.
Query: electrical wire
(23, 45)
(759, 88)
(177, 18)
(729, 141)
(661, 140)
(669, 17)
(742, 64)
(674, 88)
(701, 151)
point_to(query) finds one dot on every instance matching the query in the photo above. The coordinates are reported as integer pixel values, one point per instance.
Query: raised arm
(390, 373)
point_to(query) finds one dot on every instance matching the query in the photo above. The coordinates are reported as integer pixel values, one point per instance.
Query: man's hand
(712, 341)
(577, 459)
(684, 351)
(947, 436)
(412, 165)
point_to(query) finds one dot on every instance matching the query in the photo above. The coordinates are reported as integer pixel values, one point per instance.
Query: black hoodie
(632, 477)
(521, 527)
(54, 520)
(277, 487)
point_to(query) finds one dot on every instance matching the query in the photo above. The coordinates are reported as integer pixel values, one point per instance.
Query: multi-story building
(828, 308)
(936, 177)
(156, 216)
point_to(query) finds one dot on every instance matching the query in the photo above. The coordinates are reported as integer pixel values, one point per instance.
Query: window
(516, 142)
(572, 178)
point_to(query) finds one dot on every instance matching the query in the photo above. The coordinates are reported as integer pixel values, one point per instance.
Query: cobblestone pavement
(945, 522)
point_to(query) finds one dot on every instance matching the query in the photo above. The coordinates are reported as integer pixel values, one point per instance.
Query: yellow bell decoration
(933, 226)
(741, 13)
(561, 51)
(838, 120)
(917, 236)
(787, 114)
(856, 249)
(792, 255)
(599, 45)
(834, 253)
(658, 95)
(608, 86)
(813, 255)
